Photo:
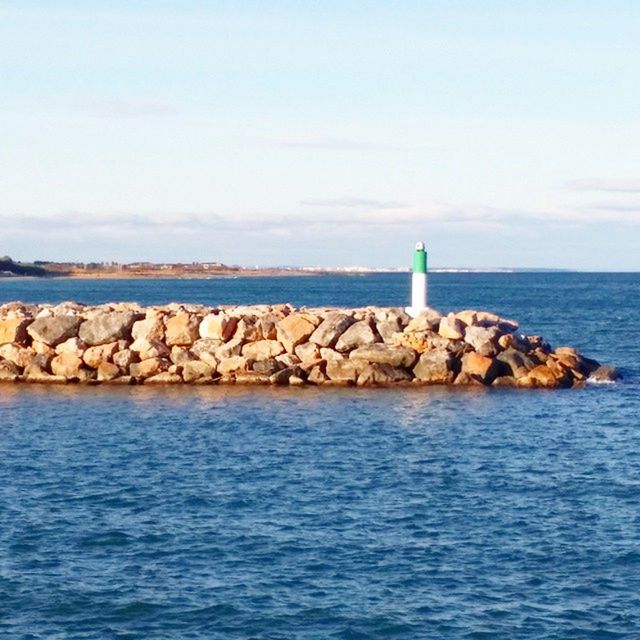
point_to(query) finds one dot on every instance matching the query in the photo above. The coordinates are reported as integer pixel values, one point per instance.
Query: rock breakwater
(124, 343)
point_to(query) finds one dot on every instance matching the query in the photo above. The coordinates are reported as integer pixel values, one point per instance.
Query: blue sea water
(308, 513)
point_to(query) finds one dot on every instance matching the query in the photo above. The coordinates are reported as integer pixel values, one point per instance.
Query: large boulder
(483, 339)
(151, 328)
(94, 356)
(218, 326)
(330, 329)
(382, 374)
(518, 363)
(54, 329)
(359, 334)
(107, 327)
(67, 365)
(262, 349)
(294, 329)
(436, 367)
(451, 328)
(427, 320)
(20, 356)
(385, 354)
(479, 367)
(344, 371)
(182, 330)
(13, 330)
(193, 370)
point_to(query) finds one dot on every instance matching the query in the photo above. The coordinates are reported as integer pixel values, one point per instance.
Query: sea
(264, 513)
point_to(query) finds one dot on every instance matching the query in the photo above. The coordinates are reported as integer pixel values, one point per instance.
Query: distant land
(42, 269)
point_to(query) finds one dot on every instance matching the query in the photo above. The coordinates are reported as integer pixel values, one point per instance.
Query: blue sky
(324, 133)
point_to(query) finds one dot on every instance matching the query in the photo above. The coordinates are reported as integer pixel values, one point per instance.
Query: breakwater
(125, 343)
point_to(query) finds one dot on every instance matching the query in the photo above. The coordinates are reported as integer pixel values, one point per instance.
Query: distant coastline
(206, 270)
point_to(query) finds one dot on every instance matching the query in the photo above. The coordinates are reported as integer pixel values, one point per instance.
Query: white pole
(418, 282)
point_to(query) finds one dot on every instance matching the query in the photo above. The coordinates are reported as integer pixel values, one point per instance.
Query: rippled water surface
(308, 513)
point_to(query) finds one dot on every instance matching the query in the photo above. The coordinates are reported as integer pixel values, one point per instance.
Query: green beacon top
(420, 259)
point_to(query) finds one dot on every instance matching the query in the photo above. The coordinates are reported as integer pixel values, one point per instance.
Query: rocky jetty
(278, 344)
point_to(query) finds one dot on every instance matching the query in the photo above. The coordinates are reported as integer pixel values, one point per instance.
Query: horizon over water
(228, 512)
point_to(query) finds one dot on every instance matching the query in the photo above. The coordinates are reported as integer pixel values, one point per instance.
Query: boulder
(94, 356)
(218, 326)
(262, 349)
(232, 364)
(148, 368)
(20, 356)
(124, 358)
(359, 334)
(107, 327)
(427, 320)
(294, 329)
(329, 354)
(543, 376)
(67, 365)
(345, 371)
(268, 324)
(316, 375)
(248, 329)
(517, 362)
(107, 371)
(288, 375)
(468, 316)
(479, 367)
(182, 330)
(55, 329)
(436, 367)
(71, 345)
(13, 330)
(149, 348)
(385, 354)
(267, 367)
(451, 328)
(382, 374)
(9, 371)
(228, 349)
(330, 329)
(193, 370)
(605, 374)
(150, 329)
(180, 355)
(307, 352)
(165, 377)
(483, 339)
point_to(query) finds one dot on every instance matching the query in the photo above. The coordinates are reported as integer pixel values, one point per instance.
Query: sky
(501, 133)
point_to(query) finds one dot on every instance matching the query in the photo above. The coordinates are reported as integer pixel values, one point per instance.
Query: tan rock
(294, 329)
(385, 354)
(482, 368)
(195, 369)
(147, 368)
(108, 326)
(71, 345)
(164, 378)
(180, 355)
(330, 354)
(543, 376)
(34, 373)
(316, 375)
(468, 316)
(149, 329)
(330, 329)
(359, 334)
(20, 356)
(342, 370)
(435, 367)
(108, 371)
(248, 329)
(182, 329)
(218, 326)
(40, 348)
(427, 320)
(9, 371)
(124, 359)
(268, 324)
(262, 349)
(308, 352)
(232, 364)
(149, 348)
(13, 330)
(93, 356)
(228, 350)
(451, 328)
(67, 365)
